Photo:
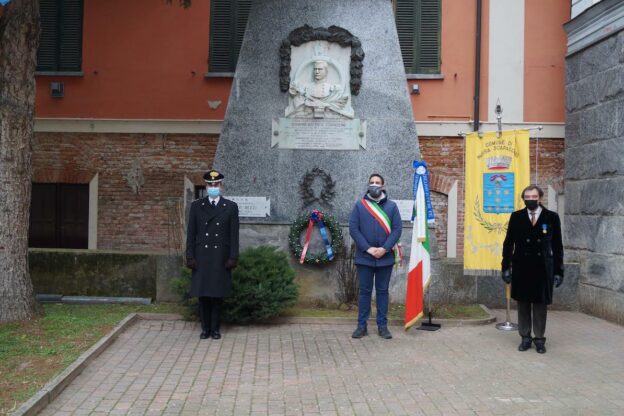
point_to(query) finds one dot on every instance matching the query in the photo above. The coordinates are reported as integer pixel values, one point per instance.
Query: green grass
(33, 352)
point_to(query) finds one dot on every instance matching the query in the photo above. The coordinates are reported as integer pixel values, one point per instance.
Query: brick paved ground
(164, 368)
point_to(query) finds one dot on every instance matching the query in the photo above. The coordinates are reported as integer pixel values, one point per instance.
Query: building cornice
(213, 127)
(596, 23)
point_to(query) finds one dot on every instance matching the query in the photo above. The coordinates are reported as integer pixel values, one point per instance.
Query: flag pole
(507, 325)
(429, 326)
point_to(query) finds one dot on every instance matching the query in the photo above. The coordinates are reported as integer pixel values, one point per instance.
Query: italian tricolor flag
(419, 271)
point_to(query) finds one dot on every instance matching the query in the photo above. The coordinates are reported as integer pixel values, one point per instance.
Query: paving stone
(158, 369)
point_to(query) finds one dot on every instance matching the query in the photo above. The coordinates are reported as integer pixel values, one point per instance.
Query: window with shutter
(228, 20)
(418, 27)
(60, 41)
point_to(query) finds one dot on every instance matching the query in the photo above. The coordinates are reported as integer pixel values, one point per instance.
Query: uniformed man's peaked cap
(213, 176)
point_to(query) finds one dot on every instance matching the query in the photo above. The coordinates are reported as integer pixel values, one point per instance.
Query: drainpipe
(477, 93)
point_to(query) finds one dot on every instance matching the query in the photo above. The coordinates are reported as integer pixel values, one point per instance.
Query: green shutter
(418, 28)
(70, 56)
(228, 20)
(429, 37)
(60, 40)
(240, 19)
(47, 54)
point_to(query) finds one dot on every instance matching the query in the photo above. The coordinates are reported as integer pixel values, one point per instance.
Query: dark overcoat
(535, 255)
(367, 232)
(212, 239)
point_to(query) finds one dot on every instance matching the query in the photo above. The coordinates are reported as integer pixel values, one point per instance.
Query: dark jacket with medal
(212, 240)
(535, 255)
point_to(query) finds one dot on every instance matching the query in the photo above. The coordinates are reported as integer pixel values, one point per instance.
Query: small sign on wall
(405, 208)
(252, 206)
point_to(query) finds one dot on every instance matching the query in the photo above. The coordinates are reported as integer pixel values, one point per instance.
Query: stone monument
(318, 103)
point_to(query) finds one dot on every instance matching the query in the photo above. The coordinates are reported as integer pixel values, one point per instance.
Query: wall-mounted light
(415, 89)
(57, 90)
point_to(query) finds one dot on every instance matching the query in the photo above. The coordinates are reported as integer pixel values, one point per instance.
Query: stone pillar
(252, 167)
(594, 145)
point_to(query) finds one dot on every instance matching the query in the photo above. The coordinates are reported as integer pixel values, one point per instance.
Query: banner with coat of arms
(497, 170)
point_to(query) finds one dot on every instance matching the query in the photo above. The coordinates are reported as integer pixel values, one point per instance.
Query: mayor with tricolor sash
(375, 226)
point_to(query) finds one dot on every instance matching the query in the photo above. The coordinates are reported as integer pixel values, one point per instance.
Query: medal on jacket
(544, 228)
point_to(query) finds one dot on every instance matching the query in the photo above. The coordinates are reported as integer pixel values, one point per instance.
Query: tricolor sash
(382, 218)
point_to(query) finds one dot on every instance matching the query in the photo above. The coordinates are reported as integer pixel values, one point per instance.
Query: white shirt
(216, 200)
(537, 212)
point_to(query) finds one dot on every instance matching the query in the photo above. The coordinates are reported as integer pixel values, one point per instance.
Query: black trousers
(210, 313)
(532, 315)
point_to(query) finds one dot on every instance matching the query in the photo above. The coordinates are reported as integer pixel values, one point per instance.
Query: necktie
(214, 203)
(533, 218)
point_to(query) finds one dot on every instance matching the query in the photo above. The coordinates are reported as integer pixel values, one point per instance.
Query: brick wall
(148, 220)
(143, 221)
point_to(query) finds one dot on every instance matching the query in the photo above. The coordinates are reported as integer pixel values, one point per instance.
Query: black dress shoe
(384, 333)
(540, 347)
(204, 335)
(525, 344)
(359, 333)
(215, 335)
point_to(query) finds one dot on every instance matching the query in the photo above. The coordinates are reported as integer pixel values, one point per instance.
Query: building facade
(131, 97)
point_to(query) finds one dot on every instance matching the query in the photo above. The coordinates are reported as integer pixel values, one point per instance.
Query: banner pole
(507, 325)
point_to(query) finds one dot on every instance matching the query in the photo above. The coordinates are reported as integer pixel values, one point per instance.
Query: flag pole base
(429, 326)
(507, 326)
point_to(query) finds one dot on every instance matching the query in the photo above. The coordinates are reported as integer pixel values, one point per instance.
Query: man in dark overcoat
(533, 263)
(212, 252)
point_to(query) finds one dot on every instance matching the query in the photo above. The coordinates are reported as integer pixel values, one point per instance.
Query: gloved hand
(191, 263)
(231, 264)
(558, 280)
(506, 275)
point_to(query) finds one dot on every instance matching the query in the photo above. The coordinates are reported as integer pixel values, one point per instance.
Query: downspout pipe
(477, 94)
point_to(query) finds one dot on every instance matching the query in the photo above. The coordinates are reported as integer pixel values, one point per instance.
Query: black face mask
(531, 204)
(374, 191)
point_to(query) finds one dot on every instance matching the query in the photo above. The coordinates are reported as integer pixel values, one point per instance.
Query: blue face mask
(213, 192)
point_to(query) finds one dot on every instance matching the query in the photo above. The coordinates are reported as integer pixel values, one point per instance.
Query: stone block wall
(594, 174)
(104, 273)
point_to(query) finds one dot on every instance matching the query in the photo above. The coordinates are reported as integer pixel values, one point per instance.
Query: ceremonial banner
(419, 270)
(497, 170)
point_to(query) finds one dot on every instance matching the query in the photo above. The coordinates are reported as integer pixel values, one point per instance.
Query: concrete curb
(55, 386)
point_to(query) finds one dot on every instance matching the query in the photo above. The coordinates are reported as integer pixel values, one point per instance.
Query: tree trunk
(19, 39)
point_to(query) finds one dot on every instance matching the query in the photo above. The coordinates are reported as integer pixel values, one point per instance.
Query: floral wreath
(302, 223)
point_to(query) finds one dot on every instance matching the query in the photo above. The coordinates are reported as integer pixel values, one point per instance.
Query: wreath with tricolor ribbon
(330, 231)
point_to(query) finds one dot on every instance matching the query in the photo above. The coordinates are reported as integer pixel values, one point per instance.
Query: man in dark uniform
(212, 251)
(532, 263)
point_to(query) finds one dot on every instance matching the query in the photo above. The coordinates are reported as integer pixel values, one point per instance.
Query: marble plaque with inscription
(252, 206)
(406, 206)
(319, 134)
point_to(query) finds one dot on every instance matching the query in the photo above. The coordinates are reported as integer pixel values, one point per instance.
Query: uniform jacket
(211, 239)
(367, 232)
(535, 255)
